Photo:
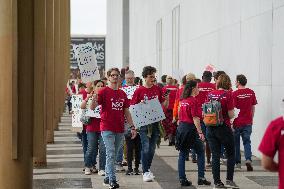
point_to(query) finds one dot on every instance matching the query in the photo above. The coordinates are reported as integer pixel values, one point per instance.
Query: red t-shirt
(83, 93)
(172, 96)
(179, 93)
(188, 109)
(73, 89)
(112, 113)
(227, 103)
(94, 126)
(143, 93)
(244, 99)
(273, 141)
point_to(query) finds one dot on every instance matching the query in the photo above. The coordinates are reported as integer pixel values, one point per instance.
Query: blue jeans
(148, 144)
(102, 152)
(198, 147)
(217, 136)
(84, 142)
(203, 128)
(119, 157)
(94, 139)
(245, 133)
(112, 143)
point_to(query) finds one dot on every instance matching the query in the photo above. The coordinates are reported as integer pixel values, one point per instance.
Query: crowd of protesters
(114, 135)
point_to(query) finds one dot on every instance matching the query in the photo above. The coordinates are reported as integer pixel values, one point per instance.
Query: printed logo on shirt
(244, 96)
(117, 104)
(282, 132)
(204, 89)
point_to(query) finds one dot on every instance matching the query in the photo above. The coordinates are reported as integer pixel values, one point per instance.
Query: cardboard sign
(147, 112)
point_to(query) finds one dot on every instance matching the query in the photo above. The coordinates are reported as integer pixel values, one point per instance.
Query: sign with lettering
(86, 57)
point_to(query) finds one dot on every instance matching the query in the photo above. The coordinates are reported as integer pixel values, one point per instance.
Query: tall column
(39, 134)
(57, 62)
(50, 72)
(16, 93)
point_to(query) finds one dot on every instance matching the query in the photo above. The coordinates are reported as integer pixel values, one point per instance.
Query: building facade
(181, 36)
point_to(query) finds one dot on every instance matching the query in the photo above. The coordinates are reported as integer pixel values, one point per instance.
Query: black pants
(133, 145)
(217, 136)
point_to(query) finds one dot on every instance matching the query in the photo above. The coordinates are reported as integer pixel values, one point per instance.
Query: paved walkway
(65, 164)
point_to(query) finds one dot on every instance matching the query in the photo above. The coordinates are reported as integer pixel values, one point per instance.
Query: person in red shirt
(204, 88)
(114, 109)
(94, 138)
(146, 92)
(272, 142)
(245, 101)
(168, 124)
(83, 134)
(189, 134)
(222, 134)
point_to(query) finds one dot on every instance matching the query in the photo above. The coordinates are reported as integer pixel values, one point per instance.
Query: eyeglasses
(114, 75)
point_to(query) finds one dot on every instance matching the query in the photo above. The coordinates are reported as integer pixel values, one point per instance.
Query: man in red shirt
(245, 101)
(168, 124)
(114, 109)
(149, 133)
(273, 141)
(204, 88)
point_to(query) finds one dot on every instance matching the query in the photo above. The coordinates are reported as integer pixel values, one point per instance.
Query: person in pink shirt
(245, 101)
(189, 134)
(114, 110)
(272, 142)
(168, 124)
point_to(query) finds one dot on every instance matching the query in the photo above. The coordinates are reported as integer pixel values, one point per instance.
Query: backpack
(212, 112)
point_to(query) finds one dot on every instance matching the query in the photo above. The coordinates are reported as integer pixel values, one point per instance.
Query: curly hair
(148, 70)
(112, 69)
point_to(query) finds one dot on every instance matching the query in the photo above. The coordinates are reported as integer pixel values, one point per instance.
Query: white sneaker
(238, 166)
(119, 168)
(102, 173)
(87, 171)
(147, 177)
(151, 174)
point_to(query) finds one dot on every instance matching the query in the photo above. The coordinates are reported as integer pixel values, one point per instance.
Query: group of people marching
(188, 124)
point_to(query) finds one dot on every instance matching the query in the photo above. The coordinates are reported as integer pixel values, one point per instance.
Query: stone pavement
(65, 165)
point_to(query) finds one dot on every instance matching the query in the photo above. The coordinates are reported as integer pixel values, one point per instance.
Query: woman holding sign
(149, 134)
(189, 134)
(94, 137)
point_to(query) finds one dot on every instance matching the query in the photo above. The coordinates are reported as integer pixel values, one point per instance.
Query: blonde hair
(190, 76)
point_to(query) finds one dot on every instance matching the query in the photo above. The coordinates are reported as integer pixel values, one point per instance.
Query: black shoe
(129, 172)
(113, 185)
(203, 181)
(106, 181)
(185, 182)
(187, 159)
(136, 171)
(219, 185)
(194, 161)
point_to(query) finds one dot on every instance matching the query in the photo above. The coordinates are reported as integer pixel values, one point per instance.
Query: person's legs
(91, 151)
(130, 148)
(199, 149)
(181, 163)
(152, 143)
(237, 144)
(109, 141)
(246, 133)
(225, 135)
(144, 148)
(84, 142)
(215, 147)
(137, 149)
(102, 151)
